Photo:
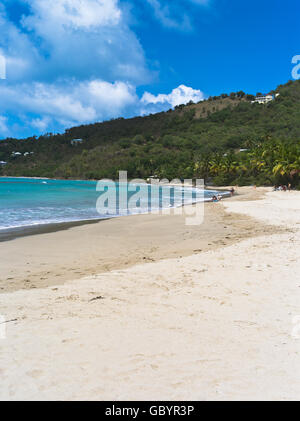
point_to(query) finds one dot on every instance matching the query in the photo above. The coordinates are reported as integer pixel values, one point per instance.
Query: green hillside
(197, 140)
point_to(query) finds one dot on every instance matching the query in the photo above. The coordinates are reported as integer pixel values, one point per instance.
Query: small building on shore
(75, 142)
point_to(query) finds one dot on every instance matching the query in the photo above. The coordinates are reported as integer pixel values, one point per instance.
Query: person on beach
(289, 187)
(232, 191)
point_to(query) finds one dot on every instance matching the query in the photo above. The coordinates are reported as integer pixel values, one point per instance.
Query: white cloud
(69, 104)
(164, 14)
(181, 95)
(40, 123)
(174, 14)
(72, 38)
(4, 130)
(112, 97)
(74, 13)
(69, 61)
(77, 61)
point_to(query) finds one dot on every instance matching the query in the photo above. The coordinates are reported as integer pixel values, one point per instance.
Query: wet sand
(14, 233)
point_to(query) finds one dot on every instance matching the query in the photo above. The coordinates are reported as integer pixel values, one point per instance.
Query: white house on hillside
(264, 99)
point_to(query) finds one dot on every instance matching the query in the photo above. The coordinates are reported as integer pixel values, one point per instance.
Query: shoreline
(12, 233)
(58, 256)
(26, 231)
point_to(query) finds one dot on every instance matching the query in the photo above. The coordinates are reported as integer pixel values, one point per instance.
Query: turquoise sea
(26, 202)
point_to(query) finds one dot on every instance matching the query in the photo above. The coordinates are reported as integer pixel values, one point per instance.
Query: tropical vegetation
(225, 140)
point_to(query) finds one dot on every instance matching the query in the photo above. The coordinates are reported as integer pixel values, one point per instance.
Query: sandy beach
(58, 256)
(147, 308)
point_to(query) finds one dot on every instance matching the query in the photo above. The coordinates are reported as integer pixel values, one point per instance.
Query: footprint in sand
(67, 340)
(154, 366)
(34, 373)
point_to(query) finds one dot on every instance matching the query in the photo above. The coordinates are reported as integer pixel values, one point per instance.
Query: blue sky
(71, 62)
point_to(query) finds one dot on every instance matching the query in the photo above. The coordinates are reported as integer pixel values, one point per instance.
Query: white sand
(216, 325)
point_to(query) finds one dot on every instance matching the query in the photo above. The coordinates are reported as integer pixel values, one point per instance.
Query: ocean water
(26, 202)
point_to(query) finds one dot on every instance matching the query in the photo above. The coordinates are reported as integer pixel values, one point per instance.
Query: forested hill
(225, 139)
